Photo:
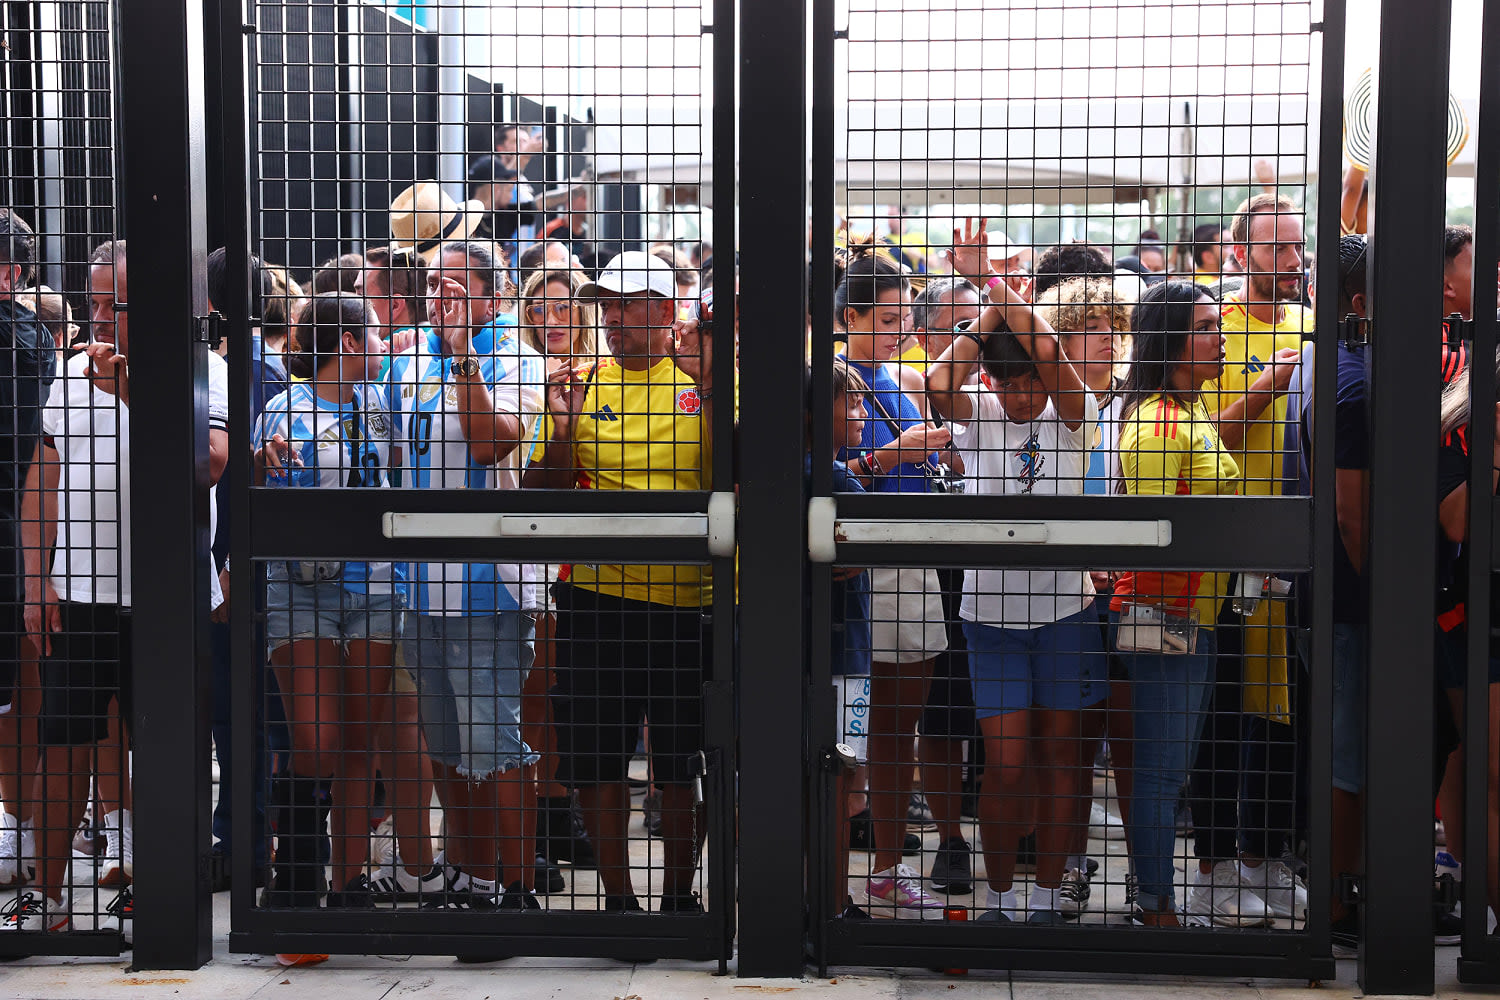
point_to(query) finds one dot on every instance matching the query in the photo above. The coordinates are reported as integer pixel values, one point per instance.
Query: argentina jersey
(338, 446)
(436, 456)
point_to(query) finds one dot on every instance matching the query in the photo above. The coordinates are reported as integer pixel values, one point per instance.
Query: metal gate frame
(1296, 533)
(325, 526)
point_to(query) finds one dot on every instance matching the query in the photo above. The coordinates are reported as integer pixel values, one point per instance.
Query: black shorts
(949, 712)
(628, 662)
(90, 664)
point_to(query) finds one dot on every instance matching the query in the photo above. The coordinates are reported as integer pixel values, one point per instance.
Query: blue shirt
(878, 432)
(850, 599)
(436, 455)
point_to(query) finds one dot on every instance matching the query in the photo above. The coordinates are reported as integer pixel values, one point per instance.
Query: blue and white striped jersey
(436, 456)
(340, 446)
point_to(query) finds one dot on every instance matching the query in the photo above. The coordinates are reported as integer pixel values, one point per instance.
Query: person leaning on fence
(1243, 786)
(637, 639)
(77, 507)
(28, 362)
(1162, 622)
(892, 455)
(1036, 658)
(943, 305)
(469, 397)
(330, 625)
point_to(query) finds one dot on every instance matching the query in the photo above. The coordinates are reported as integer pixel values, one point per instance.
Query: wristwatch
(468, 367)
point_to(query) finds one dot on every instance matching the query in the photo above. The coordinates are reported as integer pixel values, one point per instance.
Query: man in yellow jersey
(1208, 254)
(1263, 324)
(633, 640)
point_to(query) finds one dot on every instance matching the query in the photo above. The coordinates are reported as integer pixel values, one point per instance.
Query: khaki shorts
(907, 623)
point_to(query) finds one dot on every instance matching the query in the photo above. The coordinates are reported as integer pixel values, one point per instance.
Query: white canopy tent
(916, 154)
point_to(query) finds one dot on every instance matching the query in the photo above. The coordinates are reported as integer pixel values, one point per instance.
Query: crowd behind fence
(1015, 744)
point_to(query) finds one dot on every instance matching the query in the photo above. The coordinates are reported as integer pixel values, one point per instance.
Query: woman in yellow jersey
(1168, 446)
(559, 327)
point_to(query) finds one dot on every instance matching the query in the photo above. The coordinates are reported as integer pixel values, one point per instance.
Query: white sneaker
(901, 888)
(383, 845)
(28, 849)
(1073, 894)
(118, 862)
(10, 851)
(393, 883)
(31, 911)
(1222, 897)
(1283, 893)
(1105, 825)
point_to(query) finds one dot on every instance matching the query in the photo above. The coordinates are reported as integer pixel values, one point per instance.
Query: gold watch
(468, 367)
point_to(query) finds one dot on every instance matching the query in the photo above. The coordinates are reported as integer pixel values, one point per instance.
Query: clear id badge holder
(1157, 628)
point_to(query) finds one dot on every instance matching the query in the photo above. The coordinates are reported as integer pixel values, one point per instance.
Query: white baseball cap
(633, 271)
(1001, 248)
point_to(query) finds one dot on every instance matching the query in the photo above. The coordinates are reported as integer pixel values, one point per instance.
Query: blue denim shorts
(1351, 668)
(1059, 666)
(469, 671)
(326, 610)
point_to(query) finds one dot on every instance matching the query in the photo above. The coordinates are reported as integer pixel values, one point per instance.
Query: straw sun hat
(423, 217)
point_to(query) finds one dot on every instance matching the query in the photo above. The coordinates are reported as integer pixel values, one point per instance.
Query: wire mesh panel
(66, 677)
(1069, 277)
(482, 263)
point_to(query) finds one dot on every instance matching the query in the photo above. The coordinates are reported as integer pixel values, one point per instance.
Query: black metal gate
(348, 107)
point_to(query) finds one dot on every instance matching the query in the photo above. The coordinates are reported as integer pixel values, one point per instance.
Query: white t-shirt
(1039, 458)
(91, 432)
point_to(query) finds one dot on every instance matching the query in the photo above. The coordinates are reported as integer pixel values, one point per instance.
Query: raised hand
(970, 256)
(565, 394)
(693, 353)
(1283, 366)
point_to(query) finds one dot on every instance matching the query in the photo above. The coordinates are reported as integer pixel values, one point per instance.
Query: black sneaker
(952, 868)
(683, 903)
(852, 912)
(518, 897)
(561, 835)
(355, 895)
(549, 877)
(1447, 927)
(651, 813)
(1345, 935)
(1090, 868)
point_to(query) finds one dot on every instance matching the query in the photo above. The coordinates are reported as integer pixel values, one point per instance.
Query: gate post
(162, 118)
(773, 511)
(1408, 196)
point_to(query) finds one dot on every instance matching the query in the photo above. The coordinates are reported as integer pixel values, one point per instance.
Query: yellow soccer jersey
(641, 430)
(1167, 449)
(1249, 345)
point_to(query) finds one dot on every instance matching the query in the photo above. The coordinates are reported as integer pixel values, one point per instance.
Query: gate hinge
(841, 35)
(209, 329)
(705, 29)
(1456, 330)
(1354, 331)
(1315, 26)
(248, 28)
(1351, 889)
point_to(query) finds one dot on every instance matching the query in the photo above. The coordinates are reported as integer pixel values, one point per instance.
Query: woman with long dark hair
(330, 625)
(1162, 622)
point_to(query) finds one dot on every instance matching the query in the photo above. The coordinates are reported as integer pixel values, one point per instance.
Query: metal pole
(1407, 192)
(453, 89)
(162, 100)
(773, 511)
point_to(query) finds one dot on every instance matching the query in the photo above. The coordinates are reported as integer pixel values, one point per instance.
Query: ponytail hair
(869, 270)
(321, 324)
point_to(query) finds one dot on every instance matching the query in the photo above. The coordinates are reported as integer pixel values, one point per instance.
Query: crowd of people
(477, 349)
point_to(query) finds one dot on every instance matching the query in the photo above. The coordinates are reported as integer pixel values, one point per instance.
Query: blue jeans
(469, 671)
(1168, 696)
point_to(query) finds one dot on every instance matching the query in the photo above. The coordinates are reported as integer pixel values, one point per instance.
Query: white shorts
(853, 694)
(907, 624)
